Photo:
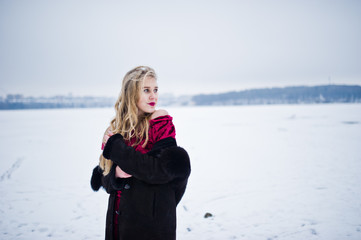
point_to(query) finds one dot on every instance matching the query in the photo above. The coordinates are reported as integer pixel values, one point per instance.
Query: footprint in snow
(9, 172)
(313, 231)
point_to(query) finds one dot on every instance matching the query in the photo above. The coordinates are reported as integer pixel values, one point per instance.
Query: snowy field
(263, 172)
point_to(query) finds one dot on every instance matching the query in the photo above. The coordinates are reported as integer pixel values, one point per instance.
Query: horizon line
(70, 94)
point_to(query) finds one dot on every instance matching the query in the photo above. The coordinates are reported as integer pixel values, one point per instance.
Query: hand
(106, 136)
(119, 173)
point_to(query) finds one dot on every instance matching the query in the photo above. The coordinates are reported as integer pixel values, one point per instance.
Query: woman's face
(148, 96)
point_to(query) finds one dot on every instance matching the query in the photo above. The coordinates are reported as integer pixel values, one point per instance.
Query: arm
(109, 182)
(112, 181)
(160, 166)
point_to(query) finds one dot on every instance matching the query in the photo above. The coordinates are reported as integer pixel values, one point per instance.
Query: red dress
(159, 128)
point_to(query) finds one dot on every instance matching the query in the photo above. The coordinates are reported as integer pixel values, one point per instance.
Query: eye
(156, 90)
(146, 90)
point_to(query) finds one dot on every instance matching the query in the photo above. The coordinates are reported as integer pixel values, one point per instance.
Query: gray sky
(86, 47)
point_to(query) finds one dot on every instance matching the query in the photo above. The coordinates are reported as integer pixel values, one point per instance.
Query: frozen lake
(263, 172)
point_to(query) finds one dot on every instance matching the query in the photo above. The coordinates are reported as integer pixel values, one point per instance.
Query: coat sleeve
(160, 166)
(109, 182)
(180, 187)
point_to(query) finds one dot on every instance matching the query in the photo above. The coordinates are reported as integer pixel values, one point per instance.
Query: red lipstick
(152, 104)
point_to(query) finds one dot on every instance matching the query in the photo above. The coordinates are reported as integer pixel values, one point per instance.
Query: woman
(141, 167)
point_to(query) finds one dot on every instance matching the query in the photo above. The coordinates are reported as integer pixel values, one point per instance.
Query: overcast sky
(86, 47)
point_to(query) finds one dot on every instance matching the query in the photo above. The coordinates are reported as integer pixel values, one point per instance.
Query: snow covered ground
(263, 172)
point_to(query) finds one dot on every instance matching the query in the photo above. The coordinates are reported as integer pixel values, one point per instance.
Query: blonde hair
(127, 122)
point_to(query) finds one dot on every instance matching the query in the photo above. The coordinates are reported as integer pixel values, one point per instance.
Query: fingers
(106, 136)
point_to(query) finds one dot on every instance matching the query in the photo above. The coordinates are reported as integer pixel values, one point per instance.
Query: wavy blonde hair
(127, 122)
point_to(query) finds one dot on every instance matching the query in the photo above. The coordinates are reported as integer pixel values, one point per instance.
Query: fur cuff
(108, 146)
(177, 161)
(96, 179)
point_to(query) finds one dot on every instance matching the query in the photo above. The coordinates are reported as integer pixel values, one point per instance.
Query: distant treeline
(287, 95)
(18, 101)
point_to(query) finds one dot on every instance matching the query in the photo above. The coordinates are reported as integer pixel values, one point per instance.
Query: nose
(152, 95)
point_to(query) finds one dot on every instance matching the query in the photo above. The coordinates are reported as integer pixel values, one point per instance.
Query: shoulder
(161, 125)
(159, 113)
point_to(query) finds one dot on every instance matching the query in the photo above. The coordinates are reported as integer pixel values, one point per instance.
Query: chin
(150, 111)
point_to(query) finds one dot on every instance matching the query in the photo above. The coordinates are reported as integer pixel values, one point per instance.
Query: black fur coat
(147, 209)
